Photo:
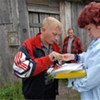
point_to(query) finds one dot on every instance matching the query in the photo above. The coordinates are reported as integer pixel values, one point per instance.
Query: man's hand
(61, 57)
(55, 56)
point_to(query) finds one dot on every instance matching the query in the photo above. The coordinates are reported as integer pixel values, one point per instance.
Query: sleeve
(80, 48)
(93, 75)
(81, 57)
(25, 67)
(89, 82)
(64, 45)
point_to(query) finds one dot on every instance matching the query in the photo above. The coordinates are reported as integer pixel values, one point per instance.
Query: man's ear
(98, 27)
(42, 30)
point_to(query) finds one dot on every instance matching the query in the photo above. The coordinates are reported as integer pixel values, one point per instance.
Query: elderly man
(33, 59)
(72, 44)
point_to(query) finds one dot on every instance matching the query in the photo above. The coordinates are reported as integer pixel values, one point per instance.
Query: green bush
(11, 92)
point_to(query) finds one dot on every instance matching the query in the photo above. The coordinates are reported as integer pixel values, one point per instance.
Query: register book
(68, 70)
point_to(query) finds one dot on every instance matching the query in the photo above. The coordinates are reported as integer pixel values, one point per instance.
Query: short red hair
(90, 14)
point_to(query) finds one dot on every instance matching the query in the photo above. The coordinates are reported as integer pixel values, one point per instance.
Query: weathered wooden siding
(4, 12)
(23, 20)
(76, 8)
(65, 17)
(13, 30)
(5, 21)
(38, 10)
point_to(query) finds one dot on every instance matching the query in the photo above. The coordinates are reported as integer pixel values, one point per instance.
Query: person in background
(88, 86)
(72, 44)
(33, 59)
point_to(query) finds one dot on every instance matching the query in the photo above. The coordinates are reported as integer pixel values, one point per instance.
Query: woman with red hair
(88, 86)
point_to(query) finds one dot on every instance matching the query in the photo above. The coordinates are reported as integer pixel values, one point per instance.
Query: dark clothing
(33, 85)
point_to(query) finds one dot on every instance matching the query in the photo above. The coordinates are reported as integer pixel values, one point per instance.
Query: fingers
(55, 56)
(67, 57)
(61, 57)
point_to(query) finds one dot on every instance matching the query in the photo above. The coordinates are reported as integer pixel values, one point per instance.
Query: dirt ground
(66, 93)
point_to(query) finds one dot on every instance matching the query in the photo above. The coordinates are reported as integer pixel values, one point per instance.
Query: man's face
(51, 34)
(71, 33)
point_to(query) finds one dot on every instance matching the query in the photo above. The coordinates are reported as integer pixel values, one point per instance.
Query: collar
(36, 42)
(39, 45)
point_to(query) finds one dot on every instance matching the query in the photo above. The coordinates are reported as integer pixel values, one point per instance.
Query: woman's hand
(67, 57)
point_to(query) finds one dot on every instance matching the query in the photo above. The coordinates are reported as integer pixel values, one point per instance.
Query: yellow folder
(73, 74)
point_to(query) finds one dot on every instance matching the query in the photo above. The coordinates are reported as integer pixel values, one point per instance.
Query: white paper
(68, 68)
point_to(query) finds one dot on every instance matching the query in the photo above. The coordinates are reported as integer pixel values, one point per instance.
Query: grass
(11, 92)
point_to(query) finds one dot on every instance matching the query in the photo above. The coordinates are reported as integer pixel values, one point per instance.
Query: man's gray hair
(52, 21)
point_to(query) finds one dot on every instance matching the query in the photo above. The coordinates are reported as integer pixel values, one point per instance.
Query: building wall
(13, 30)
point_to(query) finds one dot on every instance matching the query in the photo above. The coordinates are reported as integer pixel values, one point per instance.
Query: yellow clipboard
(73, 74)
